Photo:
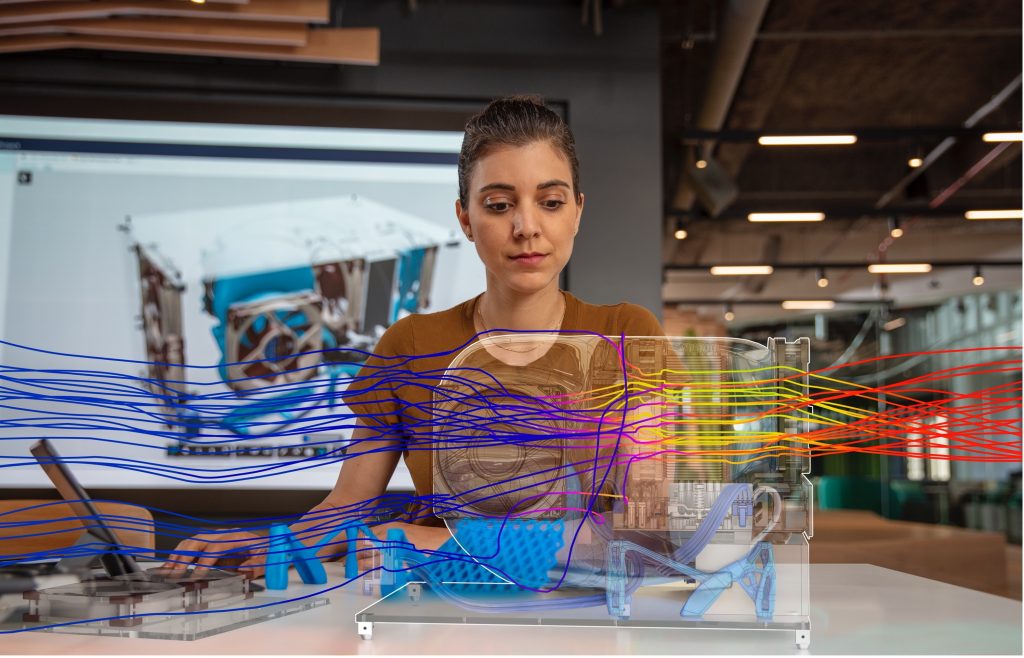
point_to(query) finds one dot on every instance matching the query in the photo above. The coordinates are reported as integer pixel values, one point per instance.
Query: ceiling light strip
(786, 217)
(741, 270)
(899, 268)
(808, 304)
(994, 214)
(1002, 137)
(806, 140)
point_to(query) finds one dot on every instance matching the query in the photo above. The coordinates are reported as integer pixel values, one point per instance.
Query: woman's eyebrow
(497, 186)
(554, 182)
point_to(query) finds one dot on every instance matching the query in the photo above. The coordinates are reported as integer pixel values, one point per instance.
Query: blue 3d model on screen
(285, 285)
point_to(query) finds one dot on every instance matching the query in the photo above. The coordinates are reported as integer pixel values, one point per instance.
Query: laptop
(110, 552)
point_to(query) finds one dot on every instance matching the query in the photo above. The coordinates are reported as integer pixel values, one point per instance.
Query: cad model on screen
(633, 481)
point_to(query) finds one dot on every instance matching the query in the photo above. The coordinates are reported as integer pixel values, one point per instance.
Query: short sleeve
(371, 395)
(636, 320)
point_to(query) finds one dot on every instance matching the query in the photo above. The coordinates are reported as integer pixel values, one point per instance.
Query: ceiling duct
(741, 20)
(712, 185)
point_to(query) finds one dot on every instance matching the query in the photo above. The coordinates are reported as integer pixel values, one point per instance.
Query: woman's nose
(525, 224)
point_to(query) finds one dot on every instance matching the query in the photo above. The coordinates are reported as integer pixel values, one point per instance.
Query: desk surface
(856, 609)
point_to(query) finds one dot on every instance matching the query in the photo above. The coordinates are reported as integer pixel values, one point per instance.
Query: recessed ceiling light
(914, 163)
(899, 268)
(740, 270)
(806, 140)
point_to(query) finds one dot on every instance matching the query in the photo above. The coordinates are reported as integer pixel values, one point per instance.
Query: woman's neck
(503, 309)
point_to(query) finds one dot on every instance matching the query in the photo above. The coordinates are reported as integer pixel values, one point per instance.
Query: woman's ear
(462, 214)
(579, 214)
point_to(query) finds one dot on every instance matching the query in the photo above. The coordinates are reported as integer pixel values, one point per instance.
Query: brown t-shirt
(436, 339)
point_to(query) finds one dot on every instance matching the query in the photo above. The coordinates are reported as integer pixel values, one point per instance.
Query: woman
(520, 205)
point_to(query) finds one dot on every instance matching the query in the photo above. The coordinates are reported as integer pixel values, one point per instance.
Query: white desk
(856, 609)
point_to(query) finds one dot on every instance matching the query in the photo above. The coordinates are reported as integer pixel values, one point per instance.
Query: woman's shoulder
(611, 319)
(417, 332)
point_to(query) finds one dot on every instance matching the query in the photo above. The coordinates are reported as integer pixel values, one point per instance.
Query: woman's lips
(529, 259)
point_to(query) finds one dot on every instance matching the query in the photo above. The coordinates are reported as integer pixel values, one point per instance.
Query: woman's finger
(184, 554)
(255, 565)
(207, 561)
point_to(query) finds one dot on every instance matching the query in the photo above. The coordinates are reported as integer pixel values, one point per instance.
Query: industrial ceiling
(907, 80)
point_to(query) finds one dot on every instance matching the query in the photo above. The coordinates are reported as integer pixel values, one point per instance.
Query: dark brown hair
(515, 121)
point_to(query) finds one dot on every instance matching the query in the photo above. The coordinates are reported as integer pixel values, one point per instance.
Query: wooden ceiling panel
(38, 2)
(271, 34)
(331, 46)
(286, 30)
(293, 11)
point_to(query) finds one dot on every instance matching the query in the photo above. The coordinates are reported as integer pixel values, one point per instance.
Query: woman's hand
(424, 538)
(241, 550)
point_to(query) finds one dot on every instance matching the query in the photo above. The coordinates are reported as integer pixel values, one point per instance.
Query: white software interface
(135, 240)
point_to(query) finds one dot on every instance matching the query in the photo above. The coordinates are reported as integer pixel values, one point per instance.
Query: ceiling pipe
(948, 143)
(938, 152)
(976, 169)
(741, 20)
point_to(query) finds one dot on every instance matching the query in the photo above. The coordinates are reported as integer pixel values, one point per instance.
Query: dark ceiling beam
(838, 212)
(845, 265)
(855, 35)
(872, 133)
(763, 196)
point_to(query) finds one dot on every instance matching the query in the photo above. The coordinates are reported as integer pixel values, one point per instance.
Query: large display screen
(191, 260)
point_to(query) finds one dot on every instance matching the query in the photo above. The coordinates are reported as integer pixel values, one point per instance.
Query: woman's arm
(364, 476)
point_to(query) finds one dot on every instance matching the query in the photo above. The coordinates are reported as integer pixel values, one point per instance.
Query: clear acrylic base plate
(188, 626)
(652, 607)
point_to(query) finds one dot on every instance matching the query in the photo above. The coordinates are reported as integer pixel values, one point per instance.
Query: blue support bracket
(286, 550)
(755, 573)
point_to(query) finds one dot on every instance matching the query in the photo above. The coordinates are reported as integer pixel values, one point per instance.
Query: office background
(667, 101)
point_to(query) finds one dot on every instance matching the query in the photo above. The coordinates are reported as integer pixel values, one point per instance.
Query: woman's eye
(497, 206)
(553, 204)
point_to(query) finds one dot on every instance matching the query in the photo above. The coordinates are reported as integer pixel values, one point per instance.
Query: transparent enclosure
(644, 481)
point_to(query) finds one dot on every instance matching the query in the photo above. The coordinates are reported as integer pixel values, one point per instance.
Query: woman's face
(522, 215)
